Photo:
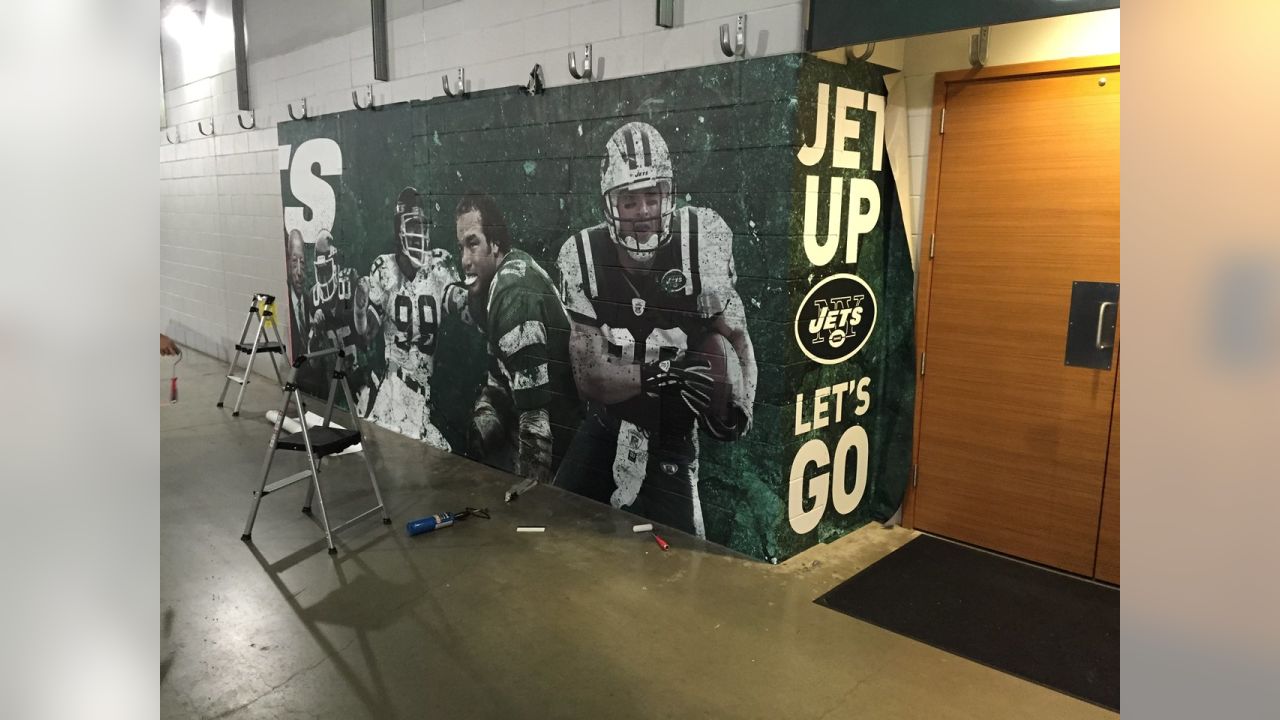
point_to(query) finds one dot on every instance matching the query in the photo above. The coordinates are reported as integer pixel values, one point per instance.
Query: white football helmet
(326, 265)
(637, 160)
(411, 228)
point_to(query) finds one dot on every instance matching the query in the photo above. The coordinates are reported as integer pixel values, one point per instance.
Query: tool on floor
(647, 527)
(531, 528)
(317, 443)
(443, 520)
(520, 488)
(661, 543)
(173, 379)
(264, 307)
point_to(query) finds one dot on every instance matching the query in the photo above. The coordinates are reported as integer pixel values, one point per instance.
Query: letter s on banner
(314, 193)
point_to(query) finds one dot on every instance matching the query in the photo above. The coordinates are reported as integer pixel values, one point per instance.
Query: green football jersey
(528, 335)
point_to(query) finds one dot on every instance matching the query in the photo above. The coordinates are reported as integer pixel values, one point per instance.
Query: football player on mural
(299, 302)
(529, 401)
(404, 294)
(332, 296)
(659, 341)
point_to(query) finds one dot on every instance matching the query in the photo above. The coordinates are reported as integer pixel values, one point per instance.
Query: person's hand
(317, 317)
(686, 378)
(168, 346)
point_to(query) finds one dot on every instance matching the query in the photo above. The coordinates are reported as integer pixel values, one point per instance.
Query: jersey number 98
(420, 334)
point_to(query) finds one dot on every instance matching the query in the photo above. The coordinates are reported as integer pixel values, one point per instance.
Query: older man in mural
(529, 400)
(658, 334)
(299, 301)
(403, 295)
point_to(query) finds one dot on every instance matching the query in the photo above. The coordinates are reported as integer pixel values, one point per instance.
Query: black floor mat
(1049, 628)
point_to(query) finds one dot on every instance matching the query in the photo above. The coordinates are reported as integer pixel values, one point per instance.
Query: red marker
(661, 543)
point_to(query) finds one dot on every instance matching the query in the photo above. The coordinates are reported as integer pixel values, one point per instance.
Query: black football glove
(686, 378)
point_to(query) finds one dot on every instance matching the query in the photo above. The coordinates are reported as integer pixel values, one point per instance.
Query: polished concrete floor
(477, 621)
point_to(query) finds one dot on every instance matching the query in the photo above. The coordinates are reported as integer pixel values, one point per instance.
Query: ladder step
(324, 441)
(272, 347)
(286, 482)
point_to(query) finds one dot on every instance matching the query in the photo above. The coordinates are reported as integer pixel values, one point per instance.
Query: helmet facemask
(326, 266)
(639, 215)
(415, 240)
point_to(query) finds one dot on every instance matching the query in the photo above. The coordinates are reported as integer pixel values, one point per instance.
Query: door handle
(1097, 339)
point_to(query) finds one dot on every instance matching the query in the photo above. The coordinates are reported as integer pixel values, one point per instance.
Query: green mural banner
(687, 294)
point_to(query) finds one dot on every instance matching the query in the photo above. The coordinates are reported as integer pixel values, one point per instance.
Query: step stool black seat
(324, 441)
(272, 347)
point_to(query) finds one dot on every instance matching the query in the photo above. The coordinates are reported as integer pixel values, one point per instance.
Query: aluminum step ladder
(263, 307)
(317, 442)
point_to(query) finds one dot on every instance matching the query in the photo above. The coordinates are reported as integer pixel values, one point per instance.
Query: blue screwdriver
(443, 520)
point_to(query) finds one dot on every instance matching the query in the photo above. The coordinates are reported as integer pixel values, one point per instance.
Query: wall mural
(620, 288)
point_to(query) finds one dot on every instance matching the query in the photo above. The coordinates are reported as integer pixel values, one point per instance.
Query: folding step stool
(261, 306)
(316, 442)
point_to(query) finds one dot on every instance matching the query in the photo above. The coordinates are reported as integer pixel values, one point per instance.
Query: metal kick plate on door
(1091, 325)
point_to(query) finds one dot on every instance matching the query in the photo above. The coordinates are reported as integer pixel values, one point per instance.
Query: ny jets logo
(637, 306)
(673, 281)
(835, 319)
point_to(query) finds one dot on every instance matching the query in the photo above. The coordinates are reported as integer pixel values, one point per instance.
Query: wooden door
(1012, 443)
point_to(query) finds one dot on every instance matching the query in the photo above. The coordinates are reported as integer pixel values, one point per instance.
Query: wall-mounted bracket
(978, 47)
(200, 127)
(738, 47)
(253, 121)
(866, 52)
(586, 63)
(355, 99)
(304, 111)
(461, 85)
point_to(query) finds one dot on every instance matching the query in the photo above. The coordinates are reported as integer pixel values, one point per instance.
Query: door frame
(924, 266)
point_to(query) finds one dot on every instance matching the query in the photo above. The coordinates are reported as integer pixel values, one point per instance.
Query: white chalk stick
(528, 528)
(647, 527)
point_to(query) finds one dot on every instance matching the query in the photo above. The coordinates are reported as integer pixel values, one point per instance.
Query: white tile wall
(221, 219)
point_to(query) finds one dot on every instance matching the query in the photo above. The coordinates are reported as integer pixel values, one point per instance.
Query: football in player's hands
(722, 418)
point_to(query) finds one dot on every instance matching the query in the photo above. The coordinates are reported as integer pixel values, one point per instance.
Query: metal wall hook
(304, 110)
(253, 121)
(534, 86)
(586, 63)
(173, 141)
(978, 47)
(462, 84)
(866, 53)
(739, 45)
(200, 127)
(355, 99)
